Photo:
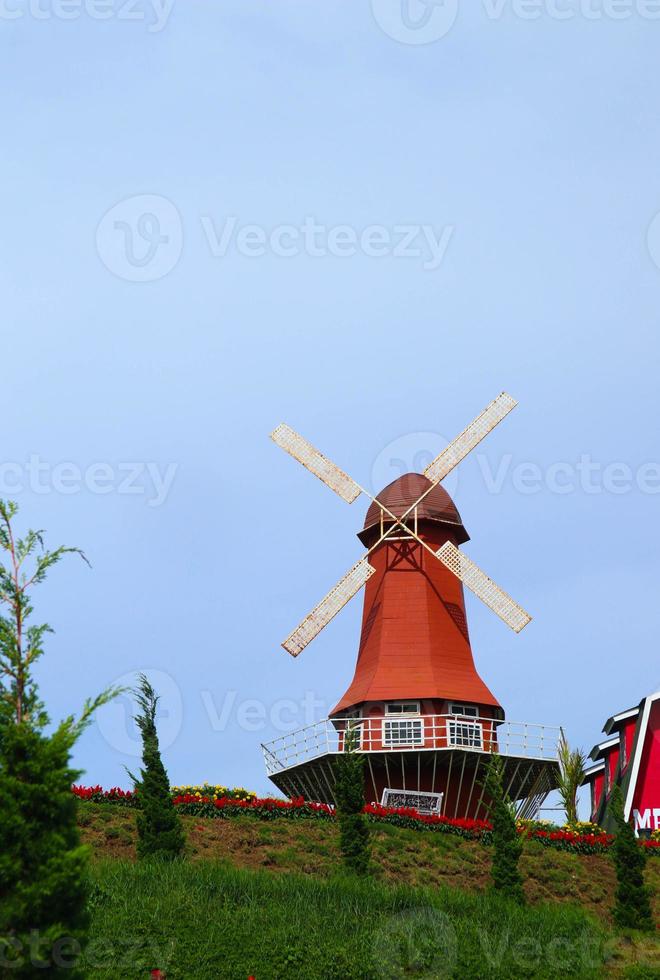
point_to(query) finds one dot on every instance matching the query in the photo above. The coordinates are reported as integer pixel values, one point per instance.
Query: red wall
(414, 641)
(646, 799)
(598, 783)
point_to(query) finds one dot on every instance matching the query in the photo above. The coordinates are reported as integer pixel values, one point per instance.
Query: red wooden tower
(427, 721)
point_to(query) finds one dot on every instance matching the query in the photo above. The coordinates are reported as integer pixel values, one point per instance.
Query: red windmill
(427, 720)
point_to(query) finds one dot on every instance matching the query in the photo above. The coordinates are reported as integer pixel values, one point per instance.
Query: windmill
(427, 720)
(350, 584)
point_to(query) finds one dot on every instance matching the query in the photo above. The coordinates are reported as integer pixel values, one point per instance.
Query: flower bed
(127, 797)
(212, 805)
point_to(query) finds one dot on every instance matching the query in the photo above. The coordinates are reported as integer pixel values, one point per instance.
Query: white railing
(412, 733)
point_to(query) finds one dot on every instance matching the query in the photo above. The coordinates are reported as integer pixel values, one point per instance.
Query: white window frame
(464, 710)
(461, 734)
(406, 708)
(413, 725)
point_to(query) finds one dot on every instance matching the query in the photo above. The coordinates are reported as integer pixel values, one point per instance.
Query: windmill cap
(402, 493)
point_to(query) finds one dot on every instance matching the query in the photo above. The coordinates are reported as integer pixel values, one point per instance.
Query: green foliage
(632, 908)
(159, 827)
(21, 645)
(349, 793)
(571, 776)
(43, 883)
(507, 843)
(208, 920)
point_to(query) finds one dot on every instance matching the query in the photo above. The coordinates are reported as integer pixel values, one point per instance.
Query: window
(402, 708)
(398, 733)
(465, 734)
(466, 710)
(622, 750)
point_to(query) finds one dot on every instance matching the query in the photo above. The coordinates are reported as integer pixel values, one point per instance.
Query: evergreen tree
(43, 879)
(632, 908)
(507, 842)
(349, 794)
(43, 867)
(159, 827)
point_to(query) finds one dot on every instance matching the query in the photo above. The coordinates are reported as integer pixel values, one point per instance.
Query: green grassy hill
(268, 899)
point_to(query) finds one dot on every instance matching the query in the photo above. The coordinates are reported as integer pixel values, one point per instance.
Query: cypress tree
(159, 828)
(507, 842)
(632, 908)
(349, 794)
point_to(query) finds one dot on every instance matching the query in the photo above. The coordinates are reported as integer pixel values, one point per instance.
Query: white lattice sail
(483, 587)
(470, 437)
(318, 464)
(328, 607)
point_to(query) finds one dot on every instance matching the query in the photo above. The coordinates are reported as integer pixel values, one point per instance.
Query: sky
(366, 220)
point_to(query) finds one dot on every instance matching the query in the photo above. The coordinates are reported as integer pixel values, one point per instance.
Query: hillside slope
(401, 856)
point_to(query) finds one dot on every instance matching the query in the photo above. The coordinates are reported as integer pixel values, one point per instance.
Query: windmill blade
(470, 437)
(328, 607)
(318, 464)
(483, 587)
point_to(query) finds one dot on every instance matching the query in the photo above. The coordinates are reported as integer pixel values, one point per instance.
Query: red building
(427, 721)
(629, 757)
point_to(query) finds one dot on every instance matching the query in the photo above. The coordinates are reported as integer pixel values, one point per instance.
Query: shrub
(507, 842)
(349, 791)
(43, 882)
(632, 908)
(159, 827)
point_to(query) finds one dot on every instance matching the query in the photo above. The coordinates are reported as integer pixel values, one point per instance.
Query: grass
(208, 919)
(401, 856)
(268, 899)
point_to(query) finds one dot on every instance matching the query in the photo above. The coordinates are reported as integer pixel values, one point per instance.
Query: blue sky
(152, 352)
